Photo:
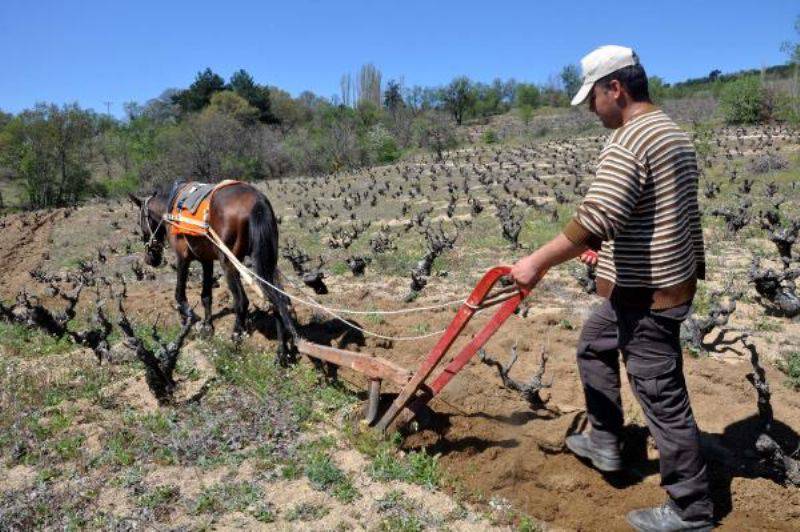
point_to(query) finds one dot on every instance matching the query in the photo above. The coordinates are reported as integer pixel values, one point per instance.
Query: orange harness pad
(184, 221)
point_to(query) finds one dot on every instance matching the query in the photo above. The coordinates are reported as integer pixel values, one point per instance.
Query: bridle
(144, 220)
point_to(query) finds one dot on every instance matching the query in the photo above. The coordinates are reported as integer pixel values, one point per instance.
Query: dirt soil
(490, 440)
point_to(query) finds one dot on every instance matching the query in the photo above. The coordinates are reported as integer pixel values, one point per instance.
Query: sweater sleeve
(696, 228)
(610, 200)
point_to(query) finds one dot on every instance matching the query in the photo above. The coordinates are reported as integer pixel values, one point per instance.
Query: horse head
(152, 229)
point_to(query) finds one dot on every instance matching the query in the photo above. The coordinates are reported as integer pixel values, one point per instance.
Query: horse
(244, 220)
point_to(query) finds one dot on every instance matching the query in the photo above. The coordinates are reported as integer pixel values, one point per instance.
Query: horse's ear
(135, 200)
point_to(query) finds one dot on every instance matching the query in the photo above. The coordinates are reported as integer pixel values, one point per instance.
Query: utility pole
(108, 107)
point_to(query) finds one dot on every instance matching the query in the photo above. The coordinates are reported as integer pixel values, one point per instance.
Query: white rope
(249, 274)
(313, 303)
(377, 312)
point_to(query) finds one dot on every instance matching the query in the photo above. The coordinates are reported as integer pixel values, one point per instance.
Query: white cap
(601, 62)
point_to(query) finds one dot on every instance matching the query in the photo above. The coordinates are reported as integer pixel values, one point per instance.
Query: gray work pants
(650, 345)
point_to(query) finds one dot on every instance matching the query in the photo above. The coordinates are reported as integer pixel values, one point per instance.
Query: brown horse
(244, 220)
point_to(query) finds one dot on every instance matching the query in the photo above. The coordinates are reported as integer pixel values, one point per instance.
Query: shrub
(525, 113)
(791, 367)
(490, 136)
(380, 146)
(743, 101)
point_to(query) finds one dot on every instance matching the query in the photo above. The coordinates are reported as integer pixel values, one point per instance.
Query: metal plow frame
(416, 392)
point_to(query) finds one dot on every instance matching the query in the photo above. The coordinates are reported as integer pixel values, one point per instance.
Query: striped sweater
(641, 212)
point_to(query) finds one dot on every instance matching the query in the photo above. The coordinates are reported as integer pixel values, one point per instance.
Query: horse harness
(189, 206)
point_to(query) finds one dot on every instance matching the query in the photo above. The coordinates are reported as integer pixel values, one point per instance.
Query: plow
(419, 386)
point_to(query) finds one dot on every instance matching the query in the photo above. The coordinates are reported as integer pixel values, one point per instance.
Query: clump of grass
(227, 497)
(324, 475)
(402, 514)
(18, 340)
(791, 367)
(306, 511)
(160, 500)
(417, 467)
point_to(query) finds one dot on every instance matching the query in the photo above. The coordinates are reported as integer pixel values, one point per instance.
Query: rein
(145, 221)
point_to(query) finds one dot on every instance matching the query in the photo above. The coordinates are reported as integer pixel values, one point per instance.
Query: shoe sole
(602, 464)
(700, 528)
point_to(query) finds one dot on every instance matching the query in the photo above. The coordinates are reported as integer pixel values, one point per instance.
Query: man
(641, 214)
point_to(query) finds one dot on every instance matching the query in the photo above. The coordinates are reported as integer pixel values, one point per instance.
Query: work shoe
(664, 519)
(605, 459)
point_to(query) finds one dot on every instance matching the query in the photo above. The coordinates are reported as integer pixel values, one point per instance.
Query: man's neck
(629, 112)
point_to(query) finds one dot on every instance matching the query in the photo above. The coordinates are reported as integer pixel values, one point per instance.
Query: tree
(369, 84)
(232, 104)
(256, 95)
(209, 146)
(571, 78)
(458, 97)
(392, 97)
(792, 49)
(743, 101)
(435, 132)
(288, 112)
(488, 100)
(50, 148)
(656, 88)
(527, 95)
(5, 118)
(346, 90)
(199, 93)
(525, 113)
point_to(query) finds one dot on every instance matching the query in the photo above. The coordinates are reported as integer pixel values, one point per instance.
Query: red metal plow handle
(475, 302)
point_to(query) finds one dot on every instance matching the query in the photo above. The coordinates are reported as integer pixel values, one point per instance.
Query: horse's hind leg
(240, 301)
(284, 323)
(205, 296)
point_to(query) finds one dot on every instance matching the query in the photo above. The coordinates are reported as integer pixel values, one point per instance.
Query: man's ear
(616, 88)
(135, 200)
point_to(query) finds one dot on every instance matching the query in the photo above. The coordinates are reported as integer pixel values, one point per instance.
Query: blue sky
(95, 51)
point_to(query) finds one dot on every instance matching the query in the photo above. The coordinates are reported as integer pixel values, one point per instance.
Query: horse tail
(264, 255)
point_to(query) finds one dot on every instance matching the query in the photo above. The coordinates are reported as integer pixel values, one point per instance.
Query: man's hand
(527, 272)
(589, 257)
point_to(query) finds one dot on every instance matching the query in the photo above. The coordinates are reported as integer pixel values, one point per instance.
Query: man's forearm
(559, 249)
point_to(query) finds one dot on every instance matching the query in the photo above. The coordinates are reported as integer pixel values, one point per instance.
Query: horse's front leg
(205, 297)
(180, 289)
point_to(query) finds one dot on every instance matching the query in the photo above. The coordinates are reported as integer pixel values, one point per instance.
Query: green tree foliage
(792, 49)
(528, 95)
(743, 101)
(256, 95)
(289, 113)
(233, 105)
(487, 100)
(392, 97)
(199, 93)
(209, 146)
(433, 131)
(380, 145)
(657, 89)
(525, 113)
(571, 78)
(458, 97)
(5, 118)
(49, 147)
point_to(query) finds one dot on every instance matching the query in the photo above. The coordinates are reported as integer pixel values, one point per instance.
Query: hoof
(206, 330)
(239, 336)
